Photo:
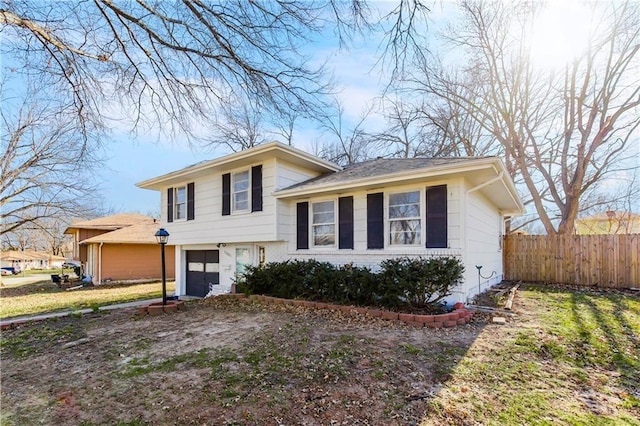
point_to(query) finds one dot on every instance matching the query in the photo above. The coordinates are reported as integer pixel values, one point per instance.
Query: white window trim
(233, 192)
(387, 220)
(175, 203)
(335, 224)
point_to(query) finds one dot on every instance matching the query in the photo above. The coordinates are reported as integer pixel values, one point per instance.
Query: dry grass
(568, 357)
(30, 299)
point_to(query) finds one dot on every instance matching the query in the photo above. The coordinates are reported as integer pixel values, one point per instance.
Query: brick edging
(459, 316)
(157, 308)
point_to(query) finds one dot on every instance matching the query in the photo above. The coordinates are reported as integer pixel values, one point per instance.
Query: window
(404, 218)
(241, 191)
(244, 193)
(324, 224)
(243, 258)
(180, 205)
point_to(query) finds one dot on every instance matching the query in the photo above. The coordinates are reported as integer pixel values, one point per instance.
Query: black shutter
(375, 221)
(226, 194)
(345, 222)
(256, 188)
(170, 205)
(302, 225)
(191, 213)
(436, 226)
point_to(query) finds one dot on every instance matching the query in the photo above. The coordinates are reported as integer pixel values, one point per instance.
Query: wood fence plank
(593, 260)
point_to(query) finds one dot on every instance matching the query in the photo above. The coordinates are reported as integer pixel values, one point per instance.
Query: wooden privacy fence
(589, 260)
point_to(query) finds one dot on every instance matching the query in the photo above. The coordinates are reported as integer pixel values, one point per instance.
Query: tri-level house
(274, 202)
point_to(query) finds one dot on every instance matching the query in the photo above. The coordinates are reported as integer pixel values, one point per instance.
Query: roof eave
(446, 169)
(158, 182)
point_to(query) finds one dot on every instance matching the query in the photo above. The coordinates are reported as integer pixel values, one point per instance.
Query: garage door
(203, 268)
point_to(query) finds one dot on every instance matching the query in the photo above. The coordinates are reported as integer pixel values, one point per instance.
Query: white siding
(360, 255)
(210, 226)
(483, 231)
(289, 174)
(274, 252)
(473, 228)
(246, 229)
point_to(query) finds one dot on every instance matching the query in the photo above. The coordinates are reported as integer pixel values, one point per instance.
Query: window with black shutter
(191, 213)
(436, 223)
(302, 225)
(226, 194)
(375, 221)
(345, 222)
(256, 188)
(170, 205)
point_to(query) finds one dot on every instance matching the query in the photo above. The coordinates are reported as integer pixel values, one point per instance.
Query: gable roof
(240, 159)
(140, 233)
(112, 222)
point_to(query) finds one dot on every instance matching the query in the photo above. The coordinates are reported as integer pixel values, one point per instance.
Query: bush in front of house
(418, 282)
(401, 283)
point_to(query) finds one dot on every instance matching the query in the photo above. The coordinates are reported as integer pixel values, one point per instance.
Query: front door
(203, 268)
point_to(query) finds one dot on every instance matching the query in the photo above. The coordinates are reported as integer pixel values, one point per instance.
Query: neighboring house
(610, 222)
(121, 247)
(29, 259)
(273, 203)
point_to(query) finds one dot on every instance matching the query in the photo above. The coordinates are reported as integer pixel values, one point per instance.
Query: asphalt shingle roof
(115, 221)
(140, 233)
(376, 168)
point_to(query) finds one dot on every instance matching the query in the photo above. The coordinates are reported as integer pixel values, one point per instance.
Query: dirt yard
(232, 362)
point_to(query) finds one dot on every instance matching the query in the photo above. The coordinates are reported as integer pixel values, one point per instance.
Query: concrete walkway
(5, 323)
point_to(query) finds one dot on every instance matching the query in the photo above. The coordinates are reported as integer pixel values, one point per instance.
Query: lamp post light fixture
(162, 236)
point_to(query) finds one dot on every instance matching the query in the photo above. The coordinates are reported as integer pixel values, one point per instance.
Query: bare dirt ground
(234, 362)
(224, 362)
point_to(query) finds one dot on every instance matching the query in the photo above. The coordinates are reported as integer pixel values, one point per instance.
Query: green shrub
(419, 282)
(401, 283)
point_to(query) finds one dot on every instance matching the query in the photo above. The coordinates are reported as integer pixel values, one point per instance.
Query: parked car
(10, 270)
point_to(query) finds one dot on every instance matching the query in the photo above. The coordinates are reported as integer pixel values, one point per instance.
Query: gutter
(482, 185)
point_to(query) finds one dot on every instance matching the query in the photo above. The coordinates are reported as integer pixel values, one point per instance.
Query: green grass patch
(578, 355)
(41, 297)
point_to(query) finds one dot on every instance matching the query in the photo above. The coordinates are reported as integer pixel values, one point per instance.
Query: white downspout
(466, 202)
(100, 263)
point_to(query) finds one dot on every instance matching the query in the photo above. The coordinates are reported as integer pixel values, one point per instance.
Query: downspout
(466, 202)
(100, 263)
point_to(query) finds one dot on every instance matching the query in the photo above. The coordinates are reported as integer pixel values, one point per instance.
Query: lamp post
(162, 236)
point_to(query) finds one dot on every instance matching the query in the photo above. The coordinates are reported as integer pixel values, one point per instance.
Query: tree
(171, 62)
(346, 143)
(421, 130)
(168, 65)
(240, 125)
(562, 132)
(45, 167)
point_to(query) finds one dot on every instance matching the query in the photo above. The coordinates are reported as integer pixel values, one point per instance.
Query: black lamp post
(162, 236)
